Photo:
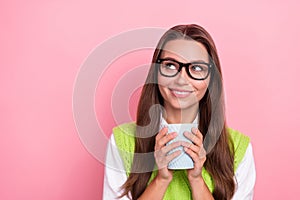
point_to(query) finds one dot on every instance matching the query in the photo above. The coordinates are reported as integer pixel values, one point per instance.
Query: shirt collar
(164, 123)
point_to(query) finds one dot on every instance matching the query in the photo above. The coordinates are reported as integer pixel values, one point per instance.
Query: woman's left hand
(196, 152)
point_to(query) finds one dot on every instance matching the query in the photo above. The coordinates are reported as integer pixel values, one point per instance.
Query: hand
(162, 158)
(196, 152)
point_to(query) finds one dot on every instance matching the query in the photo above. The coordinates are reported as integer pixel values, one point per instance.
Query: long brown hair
(212, 123)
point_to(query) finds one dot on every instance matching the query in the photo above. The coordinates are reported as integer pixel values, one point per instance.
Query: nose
(182, 77)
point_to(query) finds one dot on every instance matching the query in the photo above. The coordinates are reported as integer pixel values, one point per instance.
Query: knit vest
(179, 188)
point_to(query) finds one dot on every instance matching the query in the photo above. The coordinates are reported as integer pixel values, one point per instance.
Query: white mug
(183, 161)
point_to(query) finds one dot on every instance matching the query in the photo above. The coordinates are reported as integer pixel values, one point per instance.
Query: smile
(180, 93)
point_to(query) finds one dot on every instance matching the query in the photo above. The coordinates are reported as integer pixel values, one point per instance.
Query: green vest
(179, 188)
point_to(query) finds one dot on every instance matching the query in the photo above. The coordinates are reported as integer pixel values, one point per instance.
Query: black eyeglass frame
(186, 66)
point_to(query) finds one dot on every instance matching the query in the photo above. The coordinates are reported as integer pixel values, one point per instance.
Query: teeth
(179, 92)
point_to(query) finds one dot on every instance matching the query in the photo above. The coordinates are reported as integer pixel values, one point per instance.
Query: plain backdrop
(43, 44)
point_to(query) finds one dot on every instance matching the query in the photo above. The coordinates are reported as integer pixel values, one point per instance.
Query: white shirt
(115, 175)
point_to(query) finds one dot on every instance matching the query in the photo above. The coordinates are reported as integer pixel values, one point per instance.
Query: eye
(170, 65)
(198, 68)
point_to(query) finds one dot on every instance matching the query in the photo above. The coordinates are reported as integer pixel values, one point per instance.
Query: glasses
(195, 70)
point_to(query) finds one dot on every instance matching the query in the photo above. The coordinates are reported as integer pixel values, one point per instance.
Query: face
(182, 92)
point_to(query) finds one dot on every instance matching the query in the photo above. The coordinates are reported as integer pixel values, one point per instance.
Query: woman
(184, 85)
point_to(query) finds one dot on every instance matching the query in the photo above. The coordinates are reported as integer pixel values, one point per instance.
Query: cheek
(201, 88)
(163, 84)
(163, 81)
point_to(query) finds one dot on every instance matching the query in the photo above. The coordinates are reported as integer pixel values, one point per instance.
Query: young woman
(184, 85)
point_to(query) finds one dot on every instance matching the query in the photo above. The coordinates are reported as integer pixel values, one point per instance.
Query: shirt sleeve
(245, 177)
(114, 175)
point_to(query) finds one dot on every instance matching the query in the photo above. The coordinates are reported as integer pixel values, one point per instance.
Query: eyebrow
(173, 59)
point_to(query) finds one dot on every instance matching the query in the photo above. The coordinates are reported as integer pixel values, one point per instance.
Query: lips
(180, 93)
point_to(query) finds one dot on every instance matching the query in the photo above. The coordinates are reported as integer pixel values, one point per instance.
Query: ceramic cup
(183, 161)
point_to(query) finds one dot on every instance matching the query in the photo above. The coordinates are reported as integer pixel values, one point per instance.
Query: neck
(179, 116)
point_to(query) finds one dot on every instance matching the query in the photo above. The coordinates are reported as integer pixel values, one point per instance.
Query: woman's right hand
(162, 158)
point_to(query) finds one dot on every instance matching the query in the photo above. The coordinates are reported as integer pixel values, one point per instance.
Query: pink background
(43, 44)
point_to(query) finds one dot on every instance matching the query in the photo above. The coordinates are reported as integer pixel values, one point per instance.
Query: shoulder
(238, 138)
(240, 143)
(125, 142)
(124, 136)
(127, 128)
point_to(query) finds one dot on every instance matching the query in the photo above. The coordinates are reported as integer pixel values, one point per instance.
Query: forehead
(185, 50)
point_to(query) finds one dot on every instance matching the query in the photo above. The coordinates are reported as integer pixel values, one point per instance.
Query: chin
(184, 105)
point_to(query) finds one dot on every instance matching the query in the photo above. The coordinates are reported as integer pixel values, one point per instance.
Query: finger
(196, 132)
(191, 146)
(161, 133)
(165, 139)
(173, 155)
(159, 136)
(194, 138)
(192, 154)
(199, 151)
(170, 147)
(195, 156)
(202, 152)
(163, 160)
